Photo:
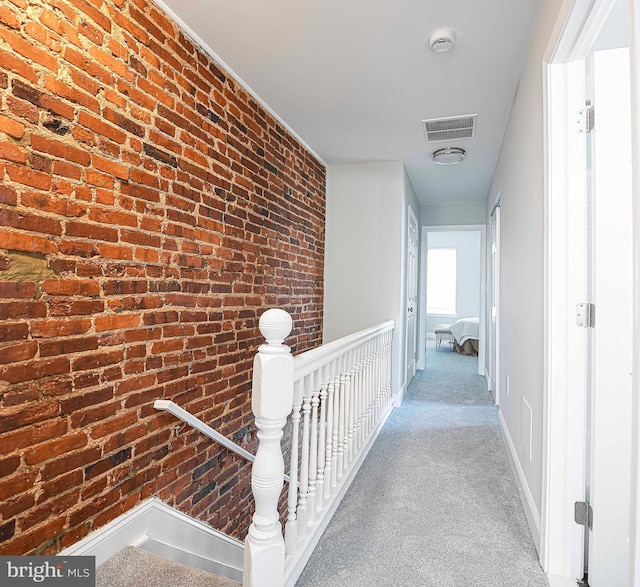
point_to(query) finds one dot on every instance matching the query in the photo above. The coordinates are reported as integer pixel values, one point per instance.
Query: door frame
(422, 295)
(561, 548)
(495, 282)
(411, 215)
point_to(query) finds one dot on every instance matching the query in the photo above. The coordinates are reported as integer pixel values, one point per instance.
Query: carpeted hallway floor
(435, 503)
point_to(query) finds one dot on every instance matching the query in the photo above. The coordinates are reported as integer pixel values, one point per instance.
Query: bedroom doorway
(453, 284)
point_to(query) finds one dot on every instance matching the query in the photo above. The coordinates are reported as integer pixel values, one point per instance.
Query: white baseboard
(163, 530)
(530, 509)
(557, 581)
(296, 566)
(399, 396)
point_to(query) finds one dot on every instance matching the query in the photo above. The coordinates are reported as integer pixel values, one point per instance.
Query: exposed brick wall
(150, 210)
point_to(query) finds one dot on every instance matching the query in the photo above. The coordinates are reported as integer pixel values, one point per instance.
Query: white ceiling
(354, 78)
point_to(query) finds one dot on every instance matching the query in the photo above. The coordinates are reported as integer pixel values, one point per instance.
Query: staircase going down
(134, 567)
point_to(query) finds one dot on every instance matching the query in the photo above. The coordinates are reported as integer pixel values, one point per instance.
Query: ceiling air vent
(452, 128)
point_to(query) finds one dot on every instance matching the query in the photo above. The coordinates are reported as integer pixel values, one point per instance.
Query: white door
(495, 304)
(412, 295)
(610, 426)
(588, 257)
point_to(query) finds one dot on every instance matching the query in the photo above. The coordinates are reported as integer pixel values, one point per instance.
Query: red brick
(30, 415)
(64, 307)
(34, 538)
(11, 127)
(8, 195)
(17, 289)
(12, 62)
(71, 287)
(30, 222)
(17, 484)
(96, 125)
(116, 322)
(94, 14)
(34, 370)
(60, 327)
(42, 35)
(51, 203)
(61, 150)
(15, 352)
(91, 231)
(69, 462)
(8, 17)
(67, 346)
(26, 176)
(11, 152)
(29, 51)
(61, 27)
(95, 360)
(26, 242)
(110, 167)
(72, 94)
(54, 448)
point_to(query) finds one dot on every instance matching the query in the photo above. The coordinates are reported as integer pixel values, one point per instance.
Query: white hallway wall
(365, 252)
(519, 179)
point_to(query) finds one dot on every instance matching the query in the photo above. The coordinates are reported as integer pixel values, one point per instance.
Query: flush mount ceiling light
(449, 156)
(442, 40)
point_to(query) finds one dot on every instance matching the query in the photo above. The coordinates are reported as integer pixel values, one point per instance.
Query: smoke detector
(442, 40)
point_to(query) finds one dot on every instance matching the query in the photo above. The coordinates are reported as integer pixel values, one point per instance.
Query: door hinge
(586, 315)
(585, 120)
(583, 514)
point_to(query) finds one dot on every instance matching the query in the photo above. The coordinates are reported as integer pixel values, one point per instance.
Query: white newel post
(272, 399)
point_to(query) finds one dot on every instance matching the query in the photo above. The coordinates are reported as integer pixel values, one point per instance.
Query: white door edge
(577, 26)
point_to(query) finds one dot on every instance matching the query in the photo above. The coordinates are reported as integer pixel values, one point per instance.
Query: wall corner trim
(163, 530)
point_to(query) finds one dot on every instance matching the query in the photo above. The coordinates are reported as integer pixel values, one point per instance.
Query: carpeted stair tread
(134, 567)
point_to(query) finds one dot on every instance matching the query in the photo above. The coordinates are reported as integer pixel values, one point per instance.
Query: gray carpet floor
(134, 567)
(435, 503)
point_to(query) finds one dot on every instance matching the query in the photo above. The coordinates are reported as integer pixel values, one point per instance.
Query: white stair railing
(338, 396)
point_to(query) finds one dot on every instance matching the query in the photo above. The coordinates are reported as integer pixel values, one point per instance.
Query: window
(441, 281)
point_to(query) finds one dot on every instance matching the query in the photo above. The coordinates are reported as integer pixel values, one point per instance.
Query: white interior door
(495, 303)
(612, 335)
(412, 295)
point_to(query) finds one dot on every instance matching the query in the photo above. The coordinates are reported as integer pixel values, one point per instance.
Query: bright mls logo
(69, 571)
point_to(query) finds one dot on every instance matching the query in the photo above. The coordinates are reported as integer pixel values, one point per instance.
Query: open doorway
(453, 287)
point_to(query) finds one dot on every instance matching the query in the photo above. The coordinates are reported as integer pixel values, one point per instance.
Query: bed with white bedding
(466, 335)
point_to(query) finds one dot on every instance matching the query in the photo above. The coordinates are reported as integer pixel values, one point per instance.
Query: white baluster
(347, 412)
(336, 426)
(271, 401)
(290, 531)
(322, 441)
(350, 410)
(370, 391)
(378, 378)
(328, 469)
(341, 418)
(313, 456)
(361, 396)
(387, 356)
(304, 461)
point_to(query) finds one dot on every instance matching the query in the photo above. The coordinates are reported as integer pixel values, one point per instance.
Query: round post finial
(275, 325)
